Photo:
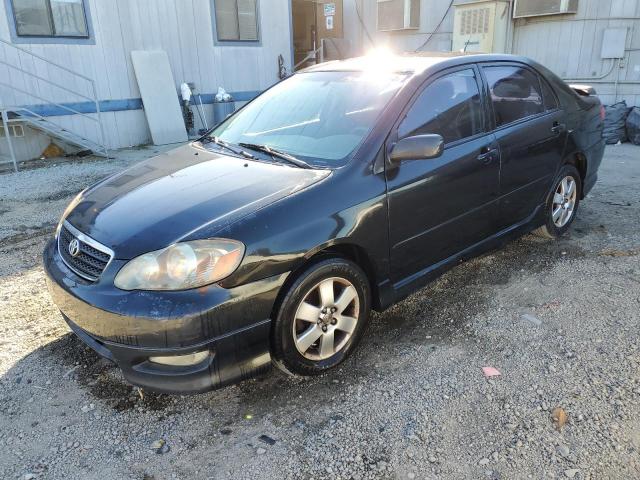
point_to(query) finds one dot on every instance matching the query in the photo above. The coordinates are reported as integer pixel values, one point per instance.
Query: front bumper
(232, 325)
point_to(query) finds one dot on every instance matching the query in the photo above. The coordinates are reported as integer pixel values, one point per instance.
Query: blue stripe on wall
(48, 110)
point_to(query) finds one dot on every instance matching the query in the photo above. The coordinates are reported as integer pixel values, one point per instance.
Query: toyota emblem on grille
(74, 247)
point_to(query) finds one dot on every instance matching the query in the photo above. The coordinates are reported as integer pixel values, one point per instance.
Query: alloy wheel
(326, 318)
(564, 201)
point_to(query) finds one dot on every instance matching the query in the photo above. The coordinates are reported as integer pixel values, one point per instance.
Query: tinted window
(515, 92)
(450, 106)
(550, 102)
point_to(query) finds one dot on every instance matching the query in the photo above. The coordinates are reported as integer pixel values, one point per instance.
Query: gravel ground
(559, 320)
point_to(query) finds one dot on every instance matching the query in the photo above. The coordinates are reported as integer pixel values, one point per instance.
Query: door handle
(558, 128)
(487, 156)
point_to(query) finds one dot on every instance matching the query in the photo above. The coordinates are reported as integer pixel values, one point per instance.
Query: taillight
(603, 112)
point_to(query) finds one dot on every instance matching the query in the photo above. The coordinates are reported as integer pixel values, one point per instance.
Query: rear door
(440, 206)
(530, 129)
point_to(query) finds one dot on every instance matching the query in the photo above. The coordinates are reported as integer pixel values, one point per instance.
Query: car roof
(414, 62)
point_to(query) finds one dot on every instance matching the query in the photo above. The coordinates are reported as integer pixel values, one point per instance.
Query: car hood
(188, 192)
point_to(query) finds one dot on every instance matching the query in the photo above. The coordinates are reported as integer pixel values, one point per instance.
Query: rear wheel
(562, 204)
(321, 317)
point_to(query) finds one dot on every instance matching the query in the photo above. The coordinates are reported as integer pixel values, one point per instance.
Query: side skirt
(391, 293)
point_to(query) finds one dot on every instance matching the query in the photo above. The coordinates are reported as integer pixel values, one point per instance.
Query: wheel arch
(348, 251)
(578, 160)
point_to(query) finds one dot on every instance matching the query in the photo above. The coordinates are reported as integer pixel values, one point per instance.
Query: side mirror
(419, 147)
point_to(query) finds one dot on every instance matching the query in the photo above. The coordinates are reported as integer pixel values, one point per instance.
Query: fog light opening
(181, 360)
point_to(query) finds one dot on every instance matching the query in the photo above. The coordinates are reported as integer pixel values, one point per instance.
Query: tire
(301, 312)
(556, 224)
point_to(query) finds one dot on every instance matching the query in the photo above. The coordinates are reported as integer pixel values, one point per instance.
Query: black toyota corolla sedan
(343, 188)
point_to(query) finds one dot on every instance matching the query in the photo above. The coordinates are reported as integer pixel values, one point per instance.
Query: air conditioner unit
(536, 8)
(481, 26)
(398, 15)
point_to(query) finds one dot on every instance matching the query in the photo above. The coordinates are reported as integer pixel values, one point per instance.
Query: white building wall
(431, 13)
(569, 44)
(183, 28)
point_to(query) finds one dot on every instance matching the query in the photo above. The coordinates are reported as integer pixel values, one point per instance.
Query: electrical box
(537, 8)
(614, 42)
(398, 15)
(481, 26)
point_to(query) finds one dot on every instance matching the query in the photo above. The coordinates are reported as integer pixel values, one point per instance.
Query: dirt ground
(560, 321)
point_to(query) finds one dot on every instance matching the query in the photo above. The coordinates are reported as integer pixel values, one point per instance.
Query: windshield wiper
(227, 146)
(276, 153)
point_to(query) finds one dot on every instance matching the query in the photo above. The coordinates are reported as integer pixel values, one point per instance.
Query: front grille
(91, 258)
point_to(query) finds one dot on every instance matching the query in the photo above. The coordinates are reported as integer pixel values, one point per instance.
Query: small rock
(483, 462)
(571, 473)
(157, 444)
(411, 475)
(266, 439)
(563, 450)
(29, 476)
(261, 451)
(160, 447)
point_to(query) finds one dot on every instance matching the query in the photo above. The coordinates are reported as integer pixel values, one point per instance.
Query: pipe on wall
(597, 77)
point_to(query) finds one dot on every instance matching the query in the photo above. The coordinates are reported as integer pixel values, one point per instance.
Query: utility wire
(435, 29)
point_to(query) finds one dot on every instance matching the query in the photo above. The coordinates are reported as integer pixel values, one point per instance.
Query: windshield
(319, 116)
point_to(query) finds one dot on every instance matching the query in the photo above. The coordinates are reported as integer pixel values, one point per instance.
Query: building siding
(183, 28)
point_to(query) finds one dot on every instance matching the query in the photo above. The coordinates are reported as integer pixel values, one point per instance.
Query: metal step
(53, 129)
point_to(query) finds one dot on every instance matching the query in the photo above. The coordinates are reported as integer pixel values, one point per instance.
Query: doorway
(318, 32)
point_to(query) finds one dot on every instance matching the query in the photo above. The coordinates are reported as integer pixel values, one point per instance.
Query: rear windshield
(320, 117)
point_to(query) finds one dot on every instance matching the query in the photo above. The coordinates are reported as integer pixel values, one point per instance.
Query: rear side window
(550, 102)
(450, 106)
(515, 93)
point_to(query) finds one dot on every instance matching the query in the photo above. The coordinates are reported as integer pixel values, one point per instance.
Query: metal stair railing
(54, 128)
(51, 127)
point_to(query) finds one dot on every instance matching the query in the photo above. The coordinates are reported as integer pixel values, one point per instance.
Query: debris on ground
(490, 372)
(559, 417)
(267, 439)
(160, 446)
(52, 151)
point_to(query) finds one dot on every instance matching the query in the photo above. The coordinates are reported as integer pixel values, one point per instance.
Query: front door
(441, 206)
(531, 133)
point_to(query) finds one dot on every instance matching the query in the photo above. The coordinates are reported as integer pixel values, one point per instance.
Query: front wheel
(321, 317)
(562, 204)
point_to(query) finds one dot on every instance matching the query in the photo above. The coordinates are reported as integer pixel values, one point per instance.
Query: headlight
(182, 266)
(67, 210)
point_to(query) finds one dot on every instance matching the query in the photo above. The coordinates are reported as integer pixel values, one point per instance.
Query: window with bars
(236, 20)
(50, 18)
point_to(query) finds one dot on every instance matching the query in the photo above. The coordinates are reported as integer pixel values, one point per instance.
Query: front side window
(321, 117)
(50, 18)
(515, 93)
(236, 20)
(450, 107)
